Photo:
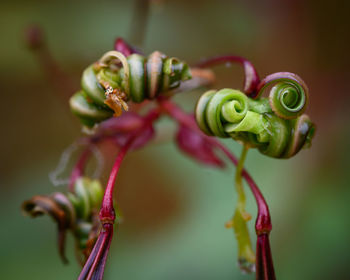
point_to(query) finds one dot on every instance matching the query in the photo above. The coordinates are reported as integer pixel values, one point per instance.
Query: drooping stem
(246, 256)
(251, 77)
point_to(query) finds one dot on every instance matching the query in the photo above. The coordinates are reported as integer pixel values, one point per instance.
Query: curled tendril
(251, 77)
(230, 113)
(76, 211)
(288, 97)
(108, 84)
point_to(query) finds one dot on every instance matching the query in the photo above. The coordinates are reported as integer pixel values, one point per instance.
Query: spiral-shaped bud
(72, 211)
(226, 113)
(230, 113)
(288, 97)
(287, 137)
(108, 84)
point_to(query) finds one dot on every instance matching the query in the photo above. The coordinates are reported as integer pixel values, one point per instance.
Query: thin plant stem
(94, 266)
(107, 214)
(246, 256)
(107, 211)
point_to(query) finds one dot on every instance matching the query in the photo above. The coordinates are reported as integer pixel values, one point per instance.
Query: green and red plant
(276, 126)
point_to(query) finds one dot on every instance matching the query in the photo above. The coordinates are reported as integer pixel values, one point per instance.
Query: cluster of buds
(277, 127)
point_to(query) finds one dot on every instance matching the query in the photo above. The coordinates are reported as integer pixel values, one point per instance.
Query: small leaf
(196, 145)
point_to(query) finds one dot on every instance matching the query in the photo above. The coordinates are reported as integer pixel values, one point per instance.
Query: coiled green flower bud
(288, 97)
(115, 79)
(230, 113)
(76, 211)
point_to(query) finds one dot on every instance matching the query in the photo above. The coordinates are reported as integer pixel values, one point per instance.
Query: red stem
(102, 253)
(251, 77)
(94, 266)
(107, 214)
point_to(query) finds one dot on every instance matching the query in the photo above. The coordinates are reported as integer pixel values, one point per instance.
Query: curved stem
(107, 214)
(251, 77)
(95, 264)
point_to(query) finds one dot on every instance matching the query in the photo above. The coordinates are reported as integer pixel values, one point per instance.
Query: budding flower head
(76, 211)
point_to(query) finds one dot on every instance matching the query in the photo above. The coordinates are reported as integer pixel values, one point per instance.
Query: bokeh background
(175, 209)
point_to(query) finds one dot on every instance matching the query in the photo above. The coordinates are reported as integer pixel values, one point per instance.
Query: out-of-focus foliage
(174, 209)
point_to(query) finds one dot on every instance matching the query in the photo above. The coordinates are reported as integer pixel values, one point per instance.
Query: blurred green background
(174, 209)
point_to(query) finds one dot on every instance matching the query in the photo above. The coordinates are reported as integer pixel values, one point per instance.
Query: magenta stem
(95, 264)
(102, 253)
(107, 214)
(251, 77)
